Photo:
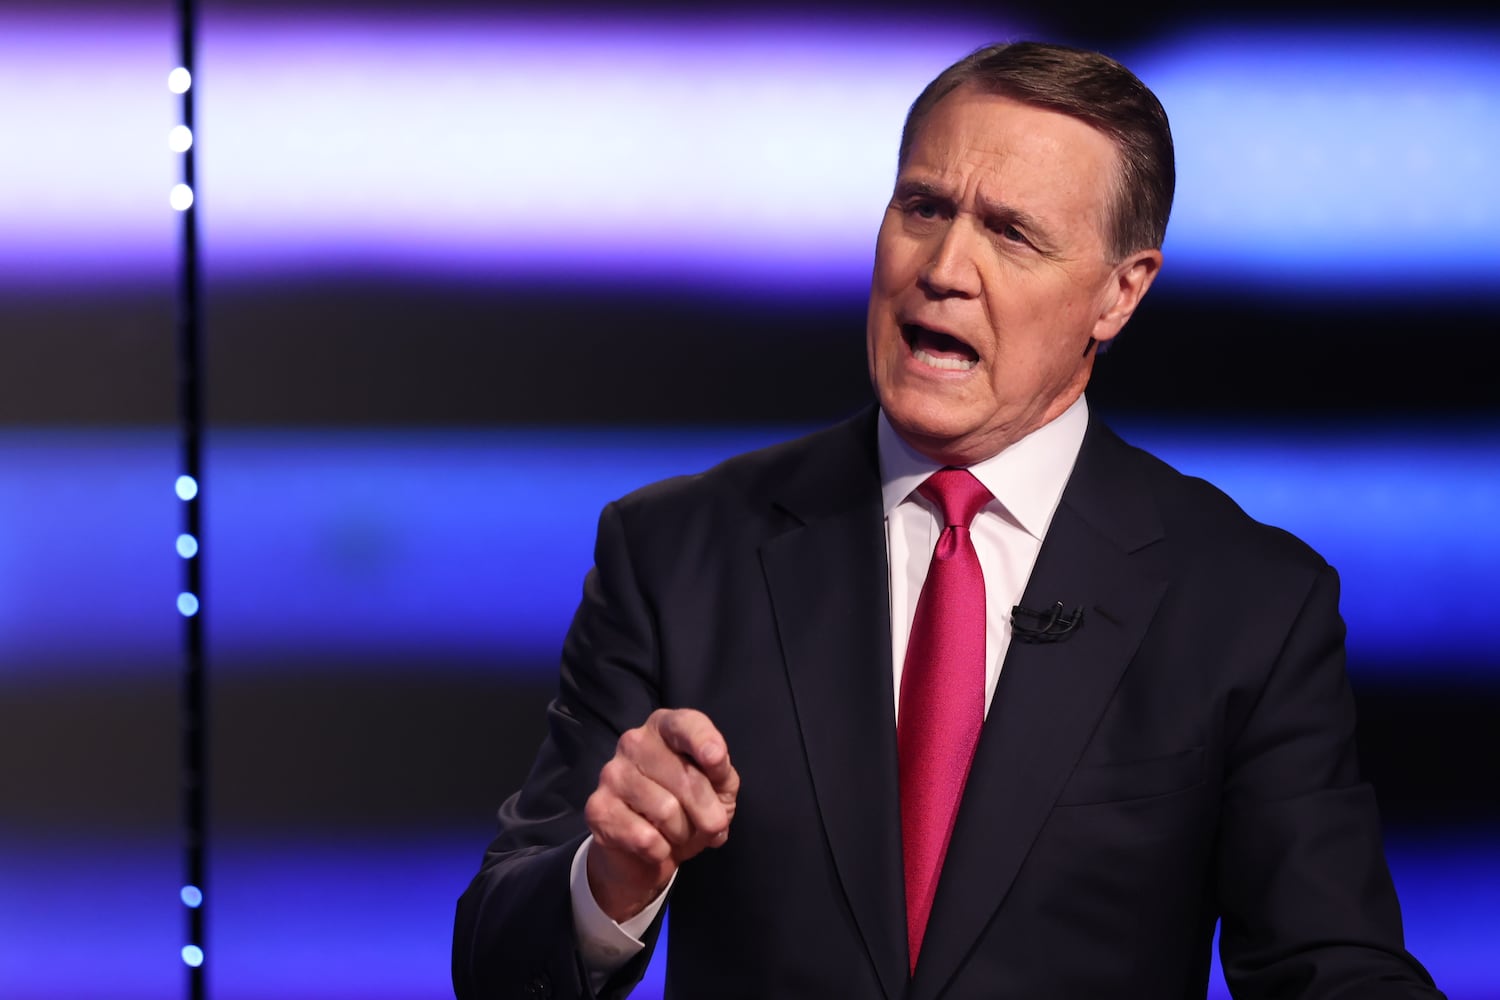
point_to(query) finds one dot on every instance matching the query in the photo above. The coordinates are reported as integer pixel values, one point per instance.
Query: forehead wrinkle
(972, 166)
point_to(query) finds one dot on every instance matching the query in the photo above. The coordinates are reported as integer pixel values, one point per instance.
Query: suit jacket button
(538, 986)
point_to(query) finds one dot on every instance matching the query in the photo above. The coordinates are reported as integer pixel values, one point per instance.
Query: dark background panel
(329, 747)
(86, 356)
(461, 354)
(355, 352)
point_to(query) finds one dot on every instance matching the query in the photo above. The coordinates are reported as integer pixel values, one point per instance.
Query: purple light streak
(749, 152)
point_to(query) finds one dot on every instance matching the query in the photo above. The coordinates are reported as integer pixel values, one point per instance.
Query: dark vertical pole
(190, 547)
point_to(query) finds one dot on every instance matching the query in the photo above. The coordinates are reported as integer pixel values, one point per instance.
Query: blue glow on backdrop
(1346, 156)
(369, 918)
(88, 567)
(362, 545)
(743, 152)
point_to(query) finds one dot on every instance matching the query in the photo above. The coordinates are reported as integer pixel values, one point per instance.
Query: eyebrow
(911, 187)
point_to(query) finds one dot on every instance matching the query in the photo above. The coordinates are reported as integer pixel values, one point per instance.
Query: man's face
(993, 273)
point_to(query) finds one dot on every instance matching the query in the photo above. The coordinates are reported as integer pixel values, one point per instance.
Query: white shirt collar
(1026, 479)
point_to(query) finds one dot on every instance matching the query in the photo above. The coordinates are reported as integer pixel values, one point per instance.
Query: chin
(933, 407)
(935, 434)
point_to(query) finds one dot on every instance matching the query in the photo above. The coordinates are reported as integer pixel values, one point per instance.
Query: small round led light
(192, 955)
(181, 197)
(187, 545)
(180, 139)
(187, 487)
(187, 604)
(179, 80)
(192, 896)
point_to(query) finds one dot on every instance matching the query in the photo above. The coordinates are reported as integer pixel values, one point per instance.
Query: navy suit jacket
(1186, 755)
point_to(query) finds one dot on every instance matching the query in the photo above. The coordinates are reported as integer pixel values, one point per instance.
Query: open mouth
(939, 350)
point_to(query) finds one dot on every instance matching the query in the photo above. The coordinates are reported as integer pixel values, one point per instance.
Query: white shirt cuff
(604, 945)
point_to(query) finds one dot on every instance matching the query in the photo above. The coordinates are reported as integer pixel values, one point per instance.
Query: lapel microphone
(1052, 625)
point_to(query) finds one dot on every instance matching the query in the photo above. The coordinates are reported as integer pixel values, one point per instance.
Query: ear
(1128, 284)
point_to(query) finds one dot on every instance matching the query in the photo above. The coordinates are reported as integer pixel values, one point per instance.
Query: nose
(951, 269)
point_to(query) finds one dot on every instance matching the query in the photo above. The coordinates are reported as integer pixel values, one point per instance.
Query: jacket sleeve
(1308, 906)
(513, 933)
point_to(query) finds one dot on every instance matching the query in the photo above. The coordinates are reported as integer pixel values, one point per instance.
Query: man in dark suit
(804, 699)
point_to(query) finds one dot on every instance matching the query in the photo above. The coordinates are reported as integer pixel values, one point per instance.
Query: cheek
(882, 337)
(895, 260)
(884, 282)
(1035, 315)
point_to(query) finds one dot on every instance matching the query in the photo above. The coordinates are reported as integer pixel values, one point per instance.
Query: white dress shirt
(1026, 481)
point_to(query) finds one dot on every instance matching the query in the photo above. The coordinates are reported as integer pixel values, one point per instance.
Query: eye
(923, 209)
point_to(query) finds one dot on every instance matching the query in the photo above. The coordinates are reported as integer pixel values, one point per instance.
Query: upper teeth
(951, 364)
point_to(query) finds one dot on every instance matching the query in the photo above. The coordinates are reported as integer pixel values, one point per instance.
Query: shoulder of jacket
(1200, 514)
(746, 480)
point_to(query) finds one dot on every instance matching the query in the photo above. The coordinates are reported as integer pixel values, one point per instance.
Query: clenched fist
(668, 793)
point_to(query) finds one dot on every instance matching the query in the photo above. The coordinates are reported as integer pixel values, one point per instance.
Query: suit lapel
(1049, 696)
(829, 590)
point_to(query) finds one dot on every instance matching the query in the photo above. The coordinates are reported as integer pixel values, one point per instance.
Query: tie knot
(958, 495)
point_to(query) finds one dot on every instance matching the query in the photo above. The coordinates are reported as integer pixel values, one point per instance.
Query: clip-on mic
(1044, 626)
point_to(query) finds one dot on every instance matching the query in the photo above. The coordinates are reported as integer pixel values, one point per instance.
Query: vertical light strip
(189, 542)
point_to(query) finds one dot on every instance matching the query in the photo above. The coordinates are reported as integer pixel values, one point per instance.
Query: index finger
(692, 734)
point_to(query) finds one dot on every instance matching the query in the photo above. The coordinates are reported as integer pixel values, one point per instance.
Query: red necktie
(942, 694)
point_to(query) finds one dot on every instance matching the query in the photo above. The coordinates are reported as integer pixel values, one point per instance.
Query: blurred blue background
(469, 265)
